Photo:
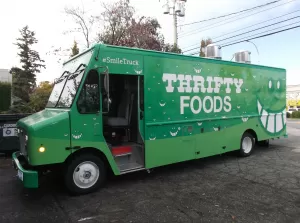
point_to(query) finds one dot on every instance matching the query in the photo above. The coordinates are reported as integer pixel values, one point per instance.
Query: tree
(74, 49)
(20, 85)
(204, 43)
(83, 21)
(116, 19)
(40, 96)
(122, 29)
(172, 48)
(5, 96)
(24, 79)
(29, 58)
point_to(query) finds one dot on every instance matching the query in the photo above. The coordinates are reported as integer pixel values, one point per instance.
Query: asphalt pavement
(264, 187)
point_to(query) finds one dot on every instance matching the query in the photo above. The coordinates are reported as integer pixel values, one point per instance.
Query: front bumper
(28, 177)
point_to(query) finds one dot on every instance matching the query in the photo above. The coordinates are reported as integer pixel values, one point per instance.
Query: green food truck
(123, 109)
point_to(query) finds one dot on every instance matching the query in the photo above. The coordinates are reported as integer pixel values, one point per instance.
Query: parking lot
(264, 187)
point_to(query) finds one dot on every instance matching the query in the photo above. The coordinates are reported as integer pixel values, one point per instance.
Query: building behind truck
(5, 76)
(120, 110)
(293, 98)
(6, 92)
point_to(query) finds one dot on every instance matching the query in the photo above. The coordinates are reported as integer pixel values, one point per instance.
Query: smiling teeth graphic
(152, 138)
(138, 71)
(77, 136)
(245, 119)
(162, 104)
(216, 129)
(272, 122)
(199, 123)
(198, 71)
(174, 133)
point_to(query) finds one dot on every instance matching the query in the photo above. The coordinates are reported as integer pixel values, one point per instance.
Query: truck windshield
(65, 89)
(66, 86)
(58, 87)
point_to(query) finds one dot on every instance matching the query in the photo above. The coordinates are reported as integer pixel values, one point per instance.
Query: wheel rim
(247, 144)
(86, 174)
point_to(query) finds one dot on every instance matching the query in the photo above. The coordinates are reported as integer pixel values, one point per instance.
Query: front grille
(23, 143)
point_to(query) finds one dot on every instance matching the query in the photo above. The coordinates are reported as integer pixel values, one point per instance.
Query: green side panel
(49, 128)
(30, 178)
(86, 132)
(201, 107)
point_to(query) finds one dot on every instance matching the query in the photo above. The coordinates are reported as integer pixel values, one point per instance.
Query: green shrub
(288, 115)
(5, 96)
(296, 114)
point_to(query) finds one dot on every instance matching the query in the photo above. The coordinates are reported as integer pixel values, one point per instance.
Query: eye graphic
(278, 84)
(270, 84)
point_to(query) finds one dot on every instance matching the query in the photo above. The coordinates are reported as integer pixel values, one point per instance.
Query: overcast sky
(49, 22)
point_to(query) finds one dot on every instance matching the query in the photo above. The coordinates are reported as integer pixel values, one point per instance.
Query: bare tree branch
(85, 24)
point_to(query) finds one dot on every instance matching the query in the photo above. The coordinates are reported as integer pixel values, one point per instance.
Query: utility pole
(178, 9)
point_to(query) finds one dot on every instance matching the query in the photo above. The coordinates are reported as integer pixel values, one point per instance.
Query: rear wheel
(247, 144)
(84, 174)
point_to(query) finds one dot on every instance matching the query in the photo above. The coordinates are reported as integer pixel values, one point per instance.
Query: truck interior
(121, 122)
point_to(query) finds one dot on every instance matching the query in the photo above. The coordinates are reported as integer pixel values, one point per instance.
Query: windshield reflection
(70, 89)
(59, 84)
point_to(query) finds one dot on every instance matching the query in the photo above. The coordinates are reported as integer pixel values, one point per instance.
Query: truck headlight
(42, 149)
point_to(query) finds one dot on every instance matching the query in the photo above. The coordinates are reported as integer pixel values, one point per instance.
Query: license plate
(20, 175)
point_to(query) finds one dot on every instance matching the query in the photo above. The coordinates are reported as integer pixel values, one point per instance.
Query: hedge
(5, 96)
(296, 114)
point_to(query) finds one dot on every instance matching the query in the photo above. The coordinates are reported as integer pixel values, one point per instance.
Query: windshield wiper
(82, 64)
(75, 74)
(61, 78)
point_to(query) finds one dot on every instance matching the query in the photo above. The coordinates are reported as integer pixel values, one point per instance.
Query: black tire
(73, 164)
(247, 148)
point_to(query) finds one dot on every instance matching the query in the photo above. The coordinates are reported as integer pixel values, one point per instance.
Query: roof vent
(213, 51)
(243, 56)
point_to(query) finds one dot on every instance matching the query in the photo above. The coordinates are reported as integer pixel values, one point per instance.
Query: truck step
(130, 167)
(121, 150)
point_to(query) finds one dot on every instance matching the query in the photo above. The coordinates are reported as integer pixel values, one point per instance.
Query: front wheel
(247, 144)
(84, 174)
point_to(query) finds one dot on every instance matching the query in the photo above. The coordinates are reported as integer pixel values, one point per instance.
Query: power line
(252, 31)
(270, 34)
(257, 37)
(265, 31)
(210, 26)
(246, 27)
(233, 13)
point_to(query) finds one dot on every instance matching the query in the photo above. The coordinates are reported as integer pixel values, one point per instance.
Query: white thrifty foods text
(207, 85)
